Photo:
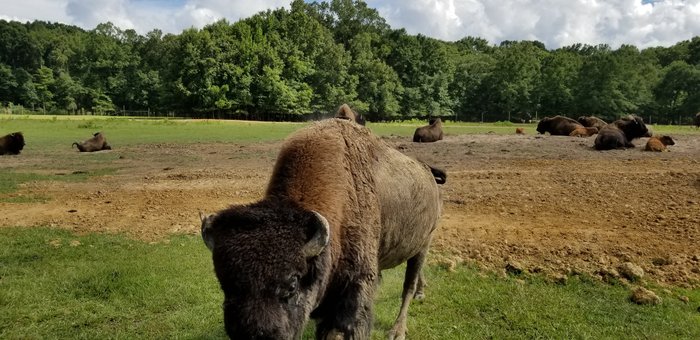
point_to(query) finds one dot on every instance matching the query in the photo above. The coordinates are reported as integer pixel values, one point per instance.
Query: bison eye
(288, 289)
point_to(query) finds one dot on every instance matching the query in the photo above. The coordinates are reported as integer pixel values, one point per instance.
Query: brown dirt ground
(551, 204)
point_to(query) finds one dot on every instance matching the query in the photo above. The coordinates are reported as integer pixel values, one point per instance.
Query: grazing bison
(659, 143)
(11, 144)
(96, 143)
(620, 133)
(341, 206)
(697, 120)
(584, 131)
(345, 112)
(429, 133)
(519, 131)
(557, 125)
(592, 121)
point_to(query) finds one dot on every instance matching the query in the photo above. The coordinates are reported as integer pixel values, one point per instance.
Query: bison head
(633, 127)
(267, 257)
(543, 125)
(667, 140)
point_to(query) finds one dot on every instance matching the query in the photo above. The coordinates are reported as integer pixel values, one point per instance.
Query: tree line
(314, 56)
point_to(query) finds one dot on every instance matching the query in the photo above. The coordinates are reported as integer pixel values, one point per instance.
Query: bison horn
(320, 239)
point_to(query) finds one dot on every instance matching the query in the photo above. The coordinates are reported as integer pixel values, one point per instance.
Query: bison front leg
(412, 285)
(351, 316)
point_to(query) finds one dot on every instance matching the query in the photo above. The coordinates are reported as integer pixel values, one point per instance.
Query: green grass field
(54, 284)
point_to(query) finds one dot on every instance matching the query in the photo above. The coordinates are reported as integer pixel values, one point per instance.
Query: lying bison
(697, 120)
(519, 131)
(659, 143)
(429, 133)
(341, 206)
(345, 112)
(11, 144)
(96, 143)
(584, 131)
(557, 125)
(620, 133)
(592, 121)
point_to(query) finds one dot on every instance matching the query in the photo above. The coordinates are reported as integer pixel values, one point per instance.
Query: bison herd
(13, 143)
(616, 135)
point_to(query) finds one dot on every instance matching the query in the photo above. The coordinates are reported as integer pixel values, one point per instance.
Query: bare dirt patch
(551, 204)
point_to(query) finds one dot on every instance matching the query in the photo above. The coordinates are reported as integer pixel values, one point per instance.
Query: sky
(556, 23)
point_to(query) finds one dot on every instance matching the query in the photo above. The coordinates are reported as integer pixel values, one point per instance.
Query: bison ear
(206, 229)
(319, 230)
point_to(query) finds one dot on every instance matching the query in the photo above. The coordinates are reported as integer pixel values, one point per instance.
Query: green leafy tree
(559, 73)
(43, 82)
(678, 92)
(8, 84)
(512, 83)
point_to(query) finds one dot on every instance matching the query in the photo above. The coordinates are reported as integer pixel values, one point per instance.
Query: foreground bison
(557, 125)
(11, 144)
(345, 112)
(659, 143)
(591, 121)
(96, 143)
(620, 133)
(429, 133)
(341, 206)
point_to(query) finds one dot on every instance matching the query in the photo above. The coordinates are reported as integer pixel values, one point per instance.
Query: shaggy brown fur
(96, 143)
(584, 131)
(592, 121)
(519, 131)
(345, 112)
(659, 143)
(557, 125)
(341, 206)
(620, 133)
(11, 144)
(429, 133)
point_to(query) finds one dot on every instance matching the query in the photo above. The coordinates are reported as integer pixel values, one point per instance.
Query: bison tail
(440, 175)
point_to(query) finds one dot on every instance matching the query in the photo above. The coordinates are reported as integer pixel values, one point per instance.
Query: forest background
(301, 63)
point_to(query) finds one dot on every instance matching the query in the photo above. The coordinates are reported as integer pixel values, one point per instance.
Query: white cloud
(554, 22)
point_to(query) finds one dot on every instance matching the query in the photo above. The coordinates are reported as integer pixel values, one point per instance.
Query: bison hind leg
(420, 285)
(412, 286)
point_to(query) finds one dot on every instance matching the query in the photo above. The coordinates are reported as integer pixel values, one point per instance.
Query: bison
(341, 205)
(345, 112)
(697, 120)
(429, 133)
(12, 144)
(584, 131)
(557, 125)
(591, 121)
(519, 131)
(96, 143)
(659, 143)
(620, 133)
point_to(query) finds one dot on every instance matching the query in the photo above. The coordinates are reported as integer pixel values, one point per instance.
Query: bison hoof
(395, 334)
(335, 334)
(419, 296)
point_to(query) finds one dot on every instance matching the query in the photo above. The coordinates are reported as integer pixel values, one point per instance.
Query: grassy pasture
(55, 284)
